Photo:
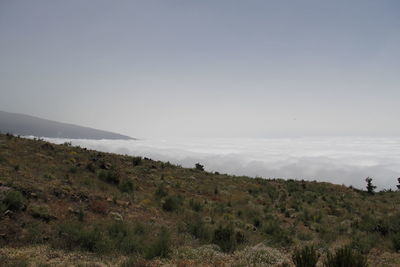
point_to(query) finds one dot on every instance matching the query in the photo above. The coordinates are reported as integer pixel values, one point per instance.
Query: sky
(220, 68)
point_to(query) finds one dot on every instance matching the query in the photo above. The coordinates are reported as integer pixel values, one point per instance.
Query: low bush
(161, 247)
(13, 261)
(136, 161)
(160, 192)
(277, 235)
(73, 169)
(91, 167)
(305, 257)
(396, 241)
(111, 176)
(39, 212)
(125, 237)
(345, 257)
(3, 207)
(195, 205)
(364, 242)
(171, 203)
(126, 186)
(224, 237)
(14, 200)
(100, 238)
(133, 261)
(198, 229)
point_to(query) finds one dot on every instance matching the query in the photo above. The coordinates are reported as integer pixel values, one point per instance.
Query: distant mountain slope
(21, 124)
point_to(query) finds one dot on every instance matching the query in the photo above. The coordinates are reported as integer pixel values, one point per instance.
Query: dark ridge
(21, 124)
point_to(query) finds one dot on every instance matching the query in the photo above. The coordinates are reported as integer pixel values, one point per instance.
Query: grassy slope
(71, 197)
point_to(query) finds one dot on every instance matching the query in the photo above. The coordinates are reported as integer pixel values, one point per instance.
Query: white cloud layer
(340, 160)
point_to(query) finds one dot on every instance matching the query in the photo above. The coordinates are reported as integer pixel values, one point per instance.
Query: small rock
(74, 211)
(106, 165)
(116, 216)
(8, 212)
(207, 219)
(4, 189)
(250, 227)
(122, 203)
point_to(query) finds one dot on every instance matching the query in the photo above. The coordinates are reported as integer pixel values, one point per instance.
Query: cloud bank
(340, 160)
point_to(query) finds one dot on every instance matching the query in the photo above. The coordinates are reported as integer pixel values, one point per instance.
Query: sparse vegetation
(171, 203)
(306, 257)
(126, 186)
(111, 176)
(224, 237)
(14, 200)
(345, 257)
(161, 247)
(136, 161)
(77, 201)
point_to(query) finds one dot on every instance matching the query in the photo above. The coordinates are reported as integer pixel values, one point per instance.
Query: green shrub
(91, 167)
(161, 247)
(35, 232)
(39, 212)
(73, 170)
(13, 261)
(80, 214)
(14, 200)
(67, 236)
(396, 241)
(160, 192)
(100, 238)
(134, 261)
(306, 257)
(328, 234)
(126, 186)
(224, 237)
(277, 235)
(240, 238)
(111, 176)
(171, 203)
(3, 207)
(93, 240)
(126, 237)
(73, 235)
(345, 257)
(195, 205)
(136, 161)
(363, 242)
(198, 229)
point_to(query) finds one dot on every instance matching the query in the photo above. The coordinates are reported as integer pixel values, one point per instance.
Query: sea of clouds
(340, 160)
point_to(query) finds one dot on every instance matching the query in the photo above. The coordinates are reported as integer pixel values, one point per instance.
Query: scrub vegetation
(66, 205)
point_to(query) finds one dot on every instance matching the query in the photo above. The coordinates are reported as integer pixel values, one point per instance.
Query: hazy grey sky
(205, 68)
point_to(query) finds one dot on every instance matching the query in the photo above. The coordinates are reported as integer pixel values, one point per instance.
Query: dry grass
(63, 183)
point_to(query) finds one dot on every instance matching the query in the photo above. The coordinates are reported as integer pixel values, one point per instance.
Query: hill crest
(26, 125)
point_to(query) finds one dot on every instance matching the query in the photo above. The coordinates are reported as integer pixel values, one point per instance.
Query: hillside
(62, 205)
(20, 124)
